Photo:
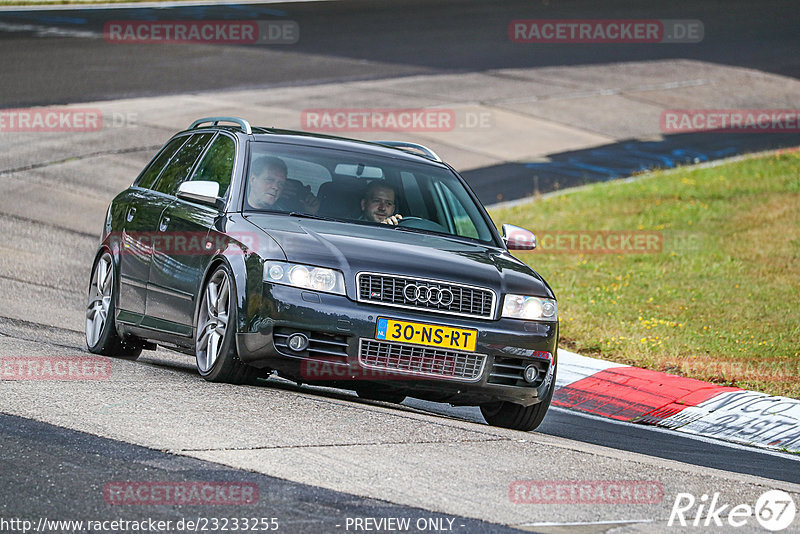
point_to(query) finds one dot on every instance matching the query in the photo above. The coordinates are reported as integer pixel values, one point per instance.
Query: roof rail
(243, 124)
(426, 152)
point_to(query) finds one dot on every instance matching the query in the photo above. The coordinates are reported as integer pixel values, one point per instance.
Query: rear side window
(217, 164)
(148, 177)
(177, 170)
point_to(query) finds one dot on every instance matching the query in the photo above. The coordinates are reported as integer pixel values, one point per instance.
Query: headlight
(304, 276)
(530, 308)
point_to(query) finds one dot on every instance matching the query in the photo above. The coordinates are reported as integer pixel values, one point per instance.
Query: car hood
(353, 248)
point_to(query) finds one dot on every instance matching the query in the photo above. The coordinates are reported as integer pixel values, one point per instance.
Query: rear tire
(215, 350)
(101, 332)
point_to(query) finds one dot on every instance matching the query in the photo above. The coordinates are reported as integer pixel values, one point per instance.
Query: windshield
(361, 188)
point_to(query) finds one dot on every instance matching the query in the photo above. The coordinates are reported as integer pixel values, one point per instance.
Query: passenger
(379, 204)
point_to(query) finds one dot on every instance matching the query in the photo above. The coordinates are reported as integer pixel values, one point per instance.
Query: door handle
(164, 224)
(131, 213)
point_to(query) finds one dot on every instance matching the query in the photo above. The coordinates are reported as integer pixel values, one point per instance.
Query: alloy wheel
(99, 299)
(213, 321)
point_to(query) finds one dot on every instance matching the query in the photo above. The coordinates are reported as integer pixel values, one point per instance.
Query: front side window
(363, 189)
(217, 164)
(457, 206)
(177, 170)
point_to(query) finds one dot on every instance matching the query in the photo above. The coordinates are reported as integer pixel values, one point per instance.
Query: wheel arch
(236, 265)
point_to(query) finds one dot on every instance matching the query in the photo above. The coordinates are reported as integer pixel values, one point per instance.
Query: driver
(267, 180)
(268, 188)
(379, 203)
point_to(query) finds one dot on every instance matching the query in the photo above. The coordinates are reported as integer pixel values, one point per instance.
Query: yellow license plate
(426, 334)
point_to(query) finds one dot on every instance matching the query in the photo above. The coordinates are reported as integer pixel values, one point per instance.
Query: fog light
(530, 374)
(297, 342)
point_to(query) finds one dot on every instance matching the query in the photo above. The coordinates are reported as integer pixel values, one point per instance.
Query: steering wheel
(422, 224)
(410, 220)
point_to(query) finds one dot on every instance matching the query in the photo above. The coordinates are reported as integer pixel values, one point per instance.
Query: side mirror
(204, 192)
(517, 238)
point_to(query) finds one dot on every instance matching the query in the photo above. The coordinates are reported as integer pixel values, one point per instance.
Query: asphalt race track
(61, 57)
(69, 461)
(361, 40)
(320, 457)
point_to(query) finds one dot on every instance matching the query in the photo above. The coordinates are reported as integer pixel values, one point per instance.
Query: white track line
(697, 437)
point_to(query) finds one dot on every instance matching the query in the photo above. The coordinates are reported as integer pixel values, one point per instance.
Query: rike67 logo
(774, 510)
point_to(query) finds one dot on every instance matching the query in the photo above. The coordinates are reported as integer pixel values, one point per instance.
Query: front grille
(418, 360)
(321, 346)
(389, 290)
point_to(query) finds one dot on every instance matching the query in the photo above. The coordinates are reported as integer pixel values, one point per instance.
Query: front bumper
(344, 351)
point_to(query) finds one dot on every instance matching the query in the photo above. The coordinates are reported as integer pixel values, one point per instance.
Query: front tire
(389, 396)
(515, 416)
(215, 350)
(101, 332)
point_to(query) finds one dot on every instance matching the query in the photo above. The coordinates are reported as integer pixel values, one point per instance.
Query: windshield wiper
(453, 237)
(311, 216)
(415, 230)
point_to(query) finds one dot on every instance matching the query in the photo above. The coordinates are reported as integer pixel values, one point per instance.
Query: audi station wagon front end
(366, 266)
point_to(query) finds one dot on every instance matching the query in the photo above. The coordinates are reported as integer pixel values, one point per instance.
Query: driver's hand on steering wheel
(393, 220)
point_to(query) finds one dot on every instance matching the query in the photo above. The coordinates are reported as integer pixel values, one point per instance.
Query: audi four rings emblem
(428, 295)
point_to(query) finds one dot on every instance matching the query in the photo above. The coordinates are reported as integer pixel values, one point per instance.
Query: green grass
(720, 302)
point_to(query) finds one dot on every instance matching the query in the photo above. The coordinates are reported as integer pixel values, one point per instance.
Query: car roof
(395, 149)
(331, 141)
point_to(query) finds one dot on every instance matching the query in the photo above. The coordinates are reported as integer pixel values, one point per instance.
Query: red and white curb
(648, 397)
